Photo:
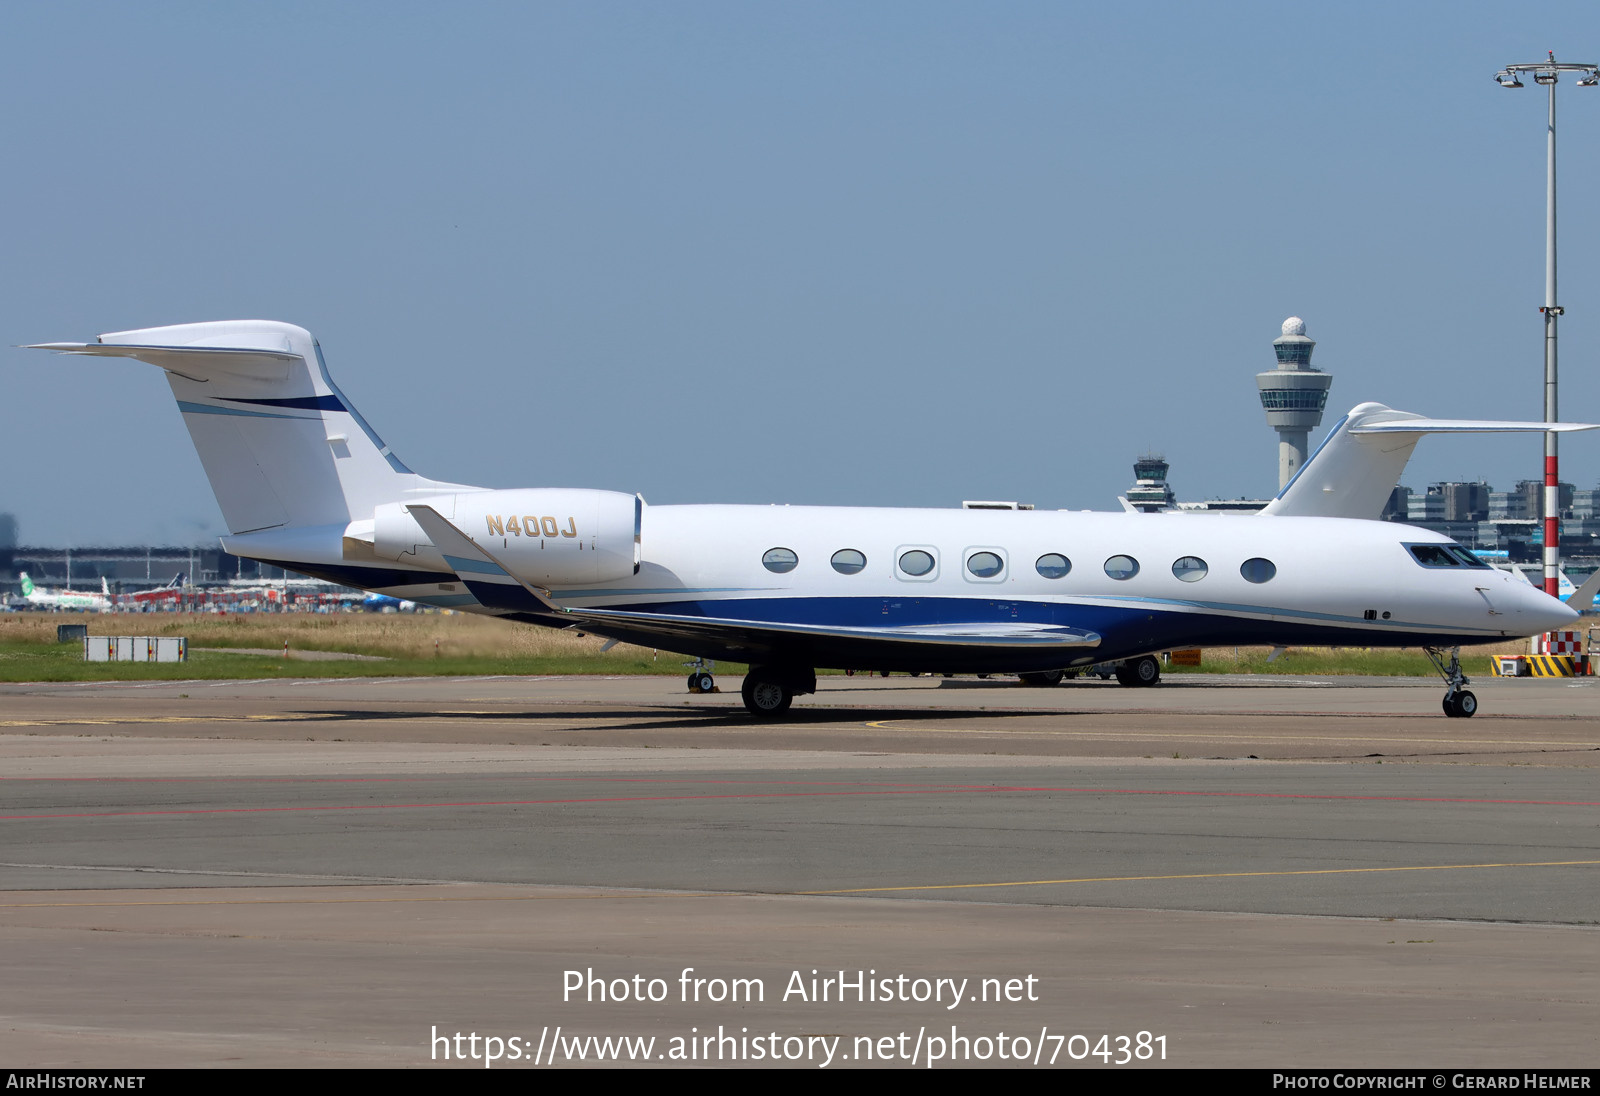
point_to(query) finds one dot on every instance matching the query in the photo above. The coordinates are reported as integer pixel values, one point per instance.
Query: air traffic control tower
(1293, 396)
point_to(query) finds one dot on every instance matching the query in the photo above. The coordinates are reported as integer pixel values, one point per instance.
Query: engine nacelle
(546, 536)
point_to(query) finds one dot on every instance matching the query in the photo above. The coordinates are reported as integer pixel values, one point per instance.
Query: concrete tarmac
(1310, 873)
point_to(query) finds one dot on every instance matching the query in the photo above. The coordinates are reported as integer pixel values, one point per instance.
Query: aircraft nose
(1544, 613)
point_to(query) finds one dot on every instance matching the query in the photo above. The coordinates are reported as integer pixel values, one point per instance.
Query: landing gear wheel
(1139, 672)
(1458, 702)
(1042, 677)
(766, 696)
(702, 683)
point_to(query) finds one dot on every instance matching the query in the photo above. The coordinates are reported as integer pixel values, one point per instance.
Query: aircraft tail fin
(1582, 598)
(1352, 472)
(1520, 575)
(281, 445)
(27, 585)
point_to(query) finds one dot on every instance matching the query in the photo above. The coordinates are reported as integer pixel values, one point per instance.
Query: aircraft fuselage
(1140, 582)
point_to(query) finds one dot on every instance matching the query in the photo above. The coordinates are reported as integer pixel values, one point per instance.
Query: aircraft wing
(747, 640)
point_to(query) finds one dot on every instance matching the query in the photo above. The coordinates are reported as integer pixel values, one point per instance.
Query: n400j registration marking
(530, 526)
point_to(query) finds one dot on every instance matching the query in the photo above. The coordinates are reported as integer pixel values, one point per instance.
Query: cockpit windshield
(1445, 555)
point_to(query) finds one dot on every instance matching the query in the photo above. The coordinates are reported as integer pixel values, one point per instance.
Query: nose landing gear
(1459, 703)
(700, 676)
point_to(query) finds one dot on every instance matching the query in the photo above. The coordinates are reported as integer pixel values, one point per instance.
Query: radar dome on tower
(1294, 325)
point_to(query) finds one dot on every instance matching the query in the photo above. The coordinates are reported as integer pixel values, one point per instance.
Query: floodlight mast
(1548, 73)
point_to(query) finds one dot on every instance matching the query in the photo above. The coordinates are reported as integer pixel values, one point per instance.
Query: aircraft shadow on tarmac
(647, 717)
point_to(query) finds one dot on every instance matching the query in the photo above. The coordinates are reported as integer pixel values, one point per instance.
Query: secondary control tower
(1293, 396)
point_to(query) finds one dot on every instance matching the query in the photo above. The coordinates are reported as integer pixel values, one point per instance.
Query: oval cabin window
(1258, 570)
(848, 561)
(1122, 568)
(1053, 565)
(985, 564)
(780, 561)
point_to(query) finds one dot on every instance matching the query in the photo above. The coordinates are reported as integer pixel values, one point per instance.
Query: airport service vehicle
(305, 483)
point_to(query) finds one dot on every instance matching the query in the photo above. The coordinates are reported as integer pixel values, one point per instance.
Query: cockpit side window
(1433, 555)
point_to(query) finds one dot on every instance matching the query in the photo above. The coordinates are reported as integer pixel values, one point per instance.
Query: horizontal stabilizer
(1356, 467)
(1420, 426)
(281, 445)
(155, 354)
(195, 363)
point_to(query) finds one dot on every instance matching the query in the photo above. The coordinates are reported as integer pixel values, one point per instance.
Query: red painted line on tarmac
(501, 803)
(1332, 798)
(430, 777)
(843, 789)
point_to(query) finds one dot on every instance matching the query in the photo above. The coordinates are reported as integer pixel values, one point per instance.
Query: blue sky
(866, 253)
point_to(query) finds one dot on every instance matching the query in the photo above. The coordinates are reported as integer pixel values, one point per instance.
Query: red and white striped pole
(1552, 311)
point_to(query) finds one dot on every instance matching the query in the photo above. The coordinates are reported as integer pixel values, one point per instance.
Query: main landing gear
(1042, 677)
(1139, 672)
(769, 690)
(1458, 702)
(1136, 673)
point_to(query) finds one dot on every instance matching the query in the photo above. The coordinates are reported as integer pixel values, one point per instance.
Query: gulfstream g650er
(305, 483)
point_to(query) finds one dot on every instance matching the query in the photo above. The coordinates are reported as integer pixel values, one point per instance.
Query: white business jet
(305, 483)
